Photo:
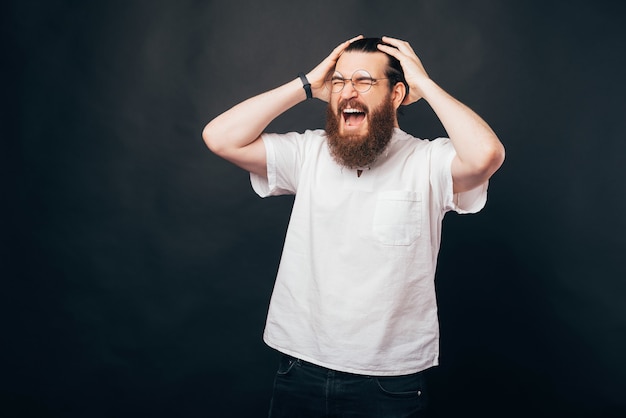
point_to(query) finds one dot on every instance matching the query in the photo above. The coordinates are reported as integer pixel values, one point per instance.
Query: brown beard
(359, 151)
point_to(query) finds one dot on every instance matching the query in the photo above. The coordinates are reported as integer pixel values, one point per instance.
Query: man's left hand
(414, 72)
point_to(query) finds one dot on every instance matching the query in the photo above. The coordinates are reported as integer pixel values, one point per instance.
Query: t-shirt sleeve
(283, 154)
(471, 201)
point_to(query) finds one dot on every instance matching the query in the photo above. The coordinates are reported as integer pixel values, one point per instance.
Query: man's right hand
(318, 76)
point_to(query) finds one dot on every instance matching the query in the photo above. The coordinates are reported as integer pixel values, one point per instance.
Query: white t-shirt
(355, 286)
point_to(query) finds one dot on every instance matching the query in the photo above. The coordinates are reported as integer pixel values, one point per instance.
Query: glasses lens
(336, 82)
(362, 81)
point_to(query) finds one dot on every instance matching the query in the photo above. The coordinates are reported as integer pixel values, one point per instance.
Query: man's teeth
(353, 116)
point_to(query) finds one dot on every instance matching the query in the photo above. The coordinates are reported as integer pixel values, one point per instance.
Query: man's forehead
(373, 62)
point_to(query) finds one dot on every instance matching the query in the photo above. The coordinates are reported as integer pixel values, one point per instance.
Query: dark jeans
(303, 389)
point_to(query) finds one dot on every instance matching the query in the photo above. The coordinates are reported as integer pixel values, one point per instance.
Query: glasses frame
(337, 76)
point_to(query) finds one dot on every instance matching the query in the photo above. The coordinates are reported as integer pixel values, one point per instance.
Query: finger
(393, 41)
(345, 44)
(403, 46)
(340, 48)
(394, 52)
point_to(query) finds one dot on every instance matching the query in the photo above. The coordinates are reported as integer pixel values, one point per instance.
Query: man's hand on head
(414, 72)
(317, 77)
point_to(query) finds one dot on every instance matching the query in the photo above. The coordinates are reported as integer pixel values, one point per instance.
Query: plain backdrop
(137, 266)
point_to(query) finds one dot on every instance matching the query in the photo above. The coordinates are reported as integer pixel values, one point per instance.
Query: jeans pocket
(409, 386)
(285, 365)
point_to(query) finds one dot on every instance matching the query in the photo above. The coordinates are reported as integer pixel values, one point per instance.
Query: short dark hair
(394, 71)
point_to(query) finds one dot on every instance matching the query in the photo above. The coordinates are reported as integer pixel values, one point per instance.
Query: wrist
(306, 85)
(427, 87)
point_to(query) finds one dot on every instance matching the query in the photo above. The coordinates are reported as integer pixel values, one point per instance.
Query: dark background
(137, 266)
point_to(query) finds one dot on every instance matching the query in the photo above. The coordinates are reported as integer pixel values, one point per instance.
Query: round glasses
(361, 81)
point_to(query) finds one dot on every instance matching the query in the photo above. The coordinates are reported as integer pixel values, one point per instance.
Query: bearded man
(353, 310)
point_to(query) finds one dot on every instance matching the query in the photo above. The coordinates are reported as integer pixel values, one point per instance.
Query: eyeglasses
(361, 81)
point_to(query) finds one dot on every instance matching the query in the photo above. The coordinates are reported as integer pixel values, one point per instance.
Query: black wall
(137, 266)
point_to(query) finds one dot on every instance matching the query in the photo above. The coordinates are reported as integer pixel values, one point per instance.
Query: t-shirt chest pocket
(397, 217)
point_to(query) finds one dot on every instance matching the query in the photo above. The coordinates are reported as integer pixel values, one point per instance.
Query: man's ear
(398, 94)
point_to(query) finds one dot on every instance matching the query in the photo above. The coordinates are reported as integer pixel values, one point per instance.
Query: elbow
(472, 172)
(488, 161)
(497, 156)
(493, 158)
(210, 139)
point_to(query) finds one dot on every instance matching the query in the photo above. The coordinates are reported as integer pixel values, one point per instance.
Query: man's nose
(348, 91)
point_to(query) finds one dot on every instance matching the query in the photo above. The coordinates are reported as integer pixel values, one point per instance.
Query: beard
(360, 150)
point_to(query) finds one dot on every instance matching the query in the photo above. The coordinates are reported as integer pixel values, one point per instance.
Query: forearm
(244, 123)
(474, 141)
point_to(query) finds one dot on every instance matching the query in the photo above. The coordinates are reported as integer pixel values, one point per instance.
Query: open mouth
(352, 116)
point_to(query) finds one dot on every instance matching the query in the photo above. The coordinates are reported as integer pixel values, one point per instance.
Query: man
(353, 308)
